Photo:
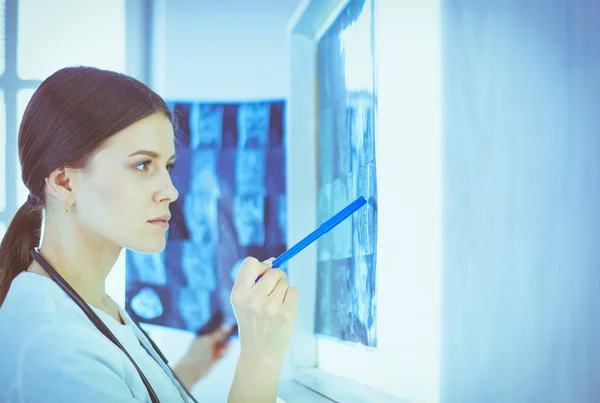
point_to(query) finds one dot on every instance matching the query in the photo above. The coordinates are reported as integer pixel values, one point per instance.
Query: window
(94, 36)
(2, 37)
(3, 138)
(23, 97)
(36, 39)
(39, 42)
(2, 151)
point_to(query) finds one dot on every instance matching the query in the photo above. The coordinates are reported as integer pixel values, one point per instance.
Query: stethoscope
(100, 325)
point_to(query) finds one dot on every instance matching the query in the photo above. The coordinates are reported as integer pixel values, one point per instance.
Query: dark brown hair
(71, 113)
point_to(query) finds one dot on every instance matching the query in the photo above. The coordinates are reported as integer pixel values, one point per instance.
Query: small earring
(67, 207)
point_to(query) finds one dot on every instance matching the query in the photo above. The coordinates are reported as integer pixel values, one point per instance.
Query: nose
(167, 193)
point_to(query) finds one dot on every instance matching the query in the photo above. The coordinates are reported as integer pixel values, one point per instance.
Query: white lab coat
(50, 352)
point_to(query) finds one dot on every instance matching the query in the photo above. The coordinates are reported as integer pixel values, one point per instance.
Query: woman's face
(125, 190)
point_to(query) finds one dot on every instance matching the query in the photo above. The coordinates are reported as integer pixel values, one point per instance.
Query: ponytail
(22, 235)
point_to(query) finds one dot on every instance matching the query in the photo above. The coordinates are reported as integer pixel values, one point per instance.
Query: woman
(96, 148)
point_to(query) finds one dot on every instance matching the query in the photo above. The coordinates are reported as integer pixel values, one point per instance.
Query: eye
(170, 166)
(143, 166)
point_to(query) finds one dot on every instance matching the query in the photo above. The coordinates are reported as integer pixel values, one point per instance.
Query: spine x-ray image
(230, 176)
(346, 267)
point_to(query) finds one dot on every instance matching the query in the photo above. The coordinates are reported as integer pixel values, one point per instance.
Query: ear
(62, 183)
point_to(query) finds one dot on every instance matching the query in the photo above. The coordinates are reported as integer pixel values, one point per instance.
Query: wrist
(262, 362)
(256, 379)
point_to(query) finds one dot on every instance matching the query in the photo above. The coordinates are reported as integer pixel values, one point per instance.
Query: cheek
(109, 193)
(117, 206)
(106, 201)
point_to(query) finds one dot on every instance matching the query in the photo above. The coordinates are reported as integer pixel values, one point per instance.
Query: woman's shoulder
(32, 301)
(28, 299)
(35, 307)
(40, 324)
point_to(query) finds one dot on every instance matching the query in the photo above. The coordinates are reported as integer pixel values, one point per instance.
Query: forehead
(153, 133)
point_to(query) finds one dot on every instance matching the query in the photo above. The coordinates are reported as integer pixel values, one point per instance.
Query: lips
(162, 221)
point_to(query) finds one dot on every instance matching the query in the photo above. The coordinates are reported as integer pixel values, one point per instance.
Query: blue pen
(316, 234)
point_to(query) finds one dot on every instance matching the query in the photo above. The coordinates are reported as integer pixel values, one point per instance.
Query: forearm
(256, 381)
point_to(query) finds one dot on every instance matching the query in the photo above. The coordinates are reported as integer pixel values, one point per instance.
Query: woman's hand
(202, 355)
(265, 311)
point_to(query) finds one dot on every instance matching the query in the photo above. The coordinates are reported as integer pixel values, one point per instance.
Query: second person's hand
(202, 354)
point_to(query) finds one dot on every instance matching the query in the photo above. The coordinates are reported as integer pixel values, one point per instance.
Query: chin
(151, 246)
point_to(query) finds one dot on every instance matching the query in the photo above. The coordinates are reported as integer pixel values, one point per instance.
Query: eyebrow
(150, 154)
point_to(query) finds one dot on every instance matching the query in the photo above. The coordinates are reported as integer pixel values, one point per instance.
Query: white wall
(228, 50)
(222, 50)
(521, 195)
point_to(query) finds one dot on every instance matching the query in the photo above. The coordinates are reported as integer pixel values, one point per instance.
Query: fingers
(220, 350)
(266, 285)
(265, 309)
(282, 302)
(222, 347)
(269, 263)
(221, 333)
(291, 298)
(281, 288)
(257, 283)
(250, 269)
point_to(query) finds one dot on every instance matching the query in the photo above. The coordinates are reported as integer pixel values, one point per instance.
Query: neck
(82, 258)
